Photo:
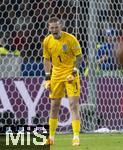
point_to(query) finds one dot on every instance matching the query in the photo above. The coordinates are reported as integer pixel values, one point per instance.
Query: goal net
(23, 26)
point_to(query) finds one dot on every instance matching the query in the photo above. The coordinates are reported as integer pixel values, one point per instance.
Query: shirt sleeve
(76, 48)
(46, 53)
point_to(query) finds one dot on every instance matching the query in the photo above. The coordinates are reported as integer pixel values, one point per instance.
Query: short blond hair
(53, 19)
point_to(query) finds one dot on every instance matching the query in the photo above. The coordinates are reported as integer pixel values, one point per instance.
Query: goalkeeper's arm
(71, 77)
(47, 68)
(78, 61)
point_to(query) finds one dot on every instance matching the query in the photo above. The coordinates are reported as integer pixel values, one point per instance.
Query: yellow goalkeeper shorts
(60, 89)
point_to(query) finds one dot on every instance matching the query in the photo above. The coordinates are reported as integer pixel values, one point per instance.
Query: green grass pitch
(63, 142)
(90, 142)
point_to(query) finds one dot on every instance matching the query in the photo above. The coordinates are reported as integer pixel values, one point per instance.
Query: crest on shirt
(64, 47)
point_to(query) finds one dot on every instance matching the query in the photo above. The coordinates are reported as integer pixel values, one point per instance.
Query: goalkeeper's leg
(74, 106)
(53, 120)
(73, 91)
(57, 93)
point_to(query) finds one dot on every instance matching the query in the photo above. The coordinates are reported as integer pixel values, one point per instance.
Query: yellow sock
(52, 126)
(76, 127)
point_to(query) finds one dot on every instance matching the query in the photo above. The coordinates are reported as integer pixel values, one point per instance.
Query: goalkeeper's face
(55, 29)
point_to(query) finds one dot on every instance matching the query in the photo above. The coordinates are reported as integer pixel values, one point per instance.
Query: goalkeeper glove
(72, 76)
(47, 81)
(47, 84)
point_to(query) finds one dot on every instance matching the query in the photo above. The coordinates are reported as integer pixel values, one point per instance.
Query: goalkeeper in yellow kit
(62, 55)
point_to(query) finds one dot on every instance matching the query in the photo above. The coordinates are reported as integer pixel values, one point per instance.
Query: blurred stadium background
(23, 26)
